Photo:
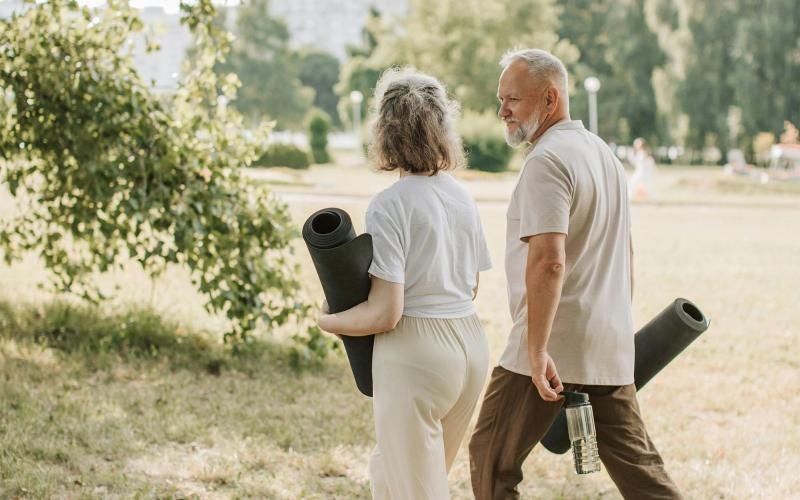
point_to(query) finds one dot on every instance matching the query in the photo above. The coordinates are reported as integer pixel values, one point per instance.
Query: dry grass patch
(85, 417)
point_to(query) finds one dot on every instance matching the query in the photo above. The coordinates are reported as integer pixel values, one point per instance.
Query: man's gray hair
(542, 65)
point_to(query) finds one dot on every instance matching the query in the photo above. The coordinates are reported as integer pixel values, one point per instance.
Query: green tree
(461, 42)
(617, 46)
(666, 18)
(267, 67)
(766, 78)
(104, 172)
(706, 93)
(737, 69)
(363, 66)
(320, 71)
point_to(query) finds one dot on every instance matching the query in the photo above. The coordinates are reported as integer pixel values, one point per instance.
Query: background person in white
(429, 367)
(568, 266)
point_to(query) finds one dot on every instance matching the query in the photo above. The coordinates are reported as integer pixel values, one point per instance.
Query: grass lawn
(82, 417)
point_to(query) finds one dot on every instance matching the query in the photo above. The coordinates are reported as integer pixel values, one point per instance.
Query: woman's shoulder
(387, 200)
(457, 184)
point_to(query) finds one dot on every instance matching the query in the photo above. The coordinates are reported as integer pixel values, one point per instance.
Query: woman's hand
(325, 319)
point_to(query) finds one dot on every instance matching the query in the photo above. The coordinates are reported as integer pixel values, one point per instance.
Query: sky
(170, 6)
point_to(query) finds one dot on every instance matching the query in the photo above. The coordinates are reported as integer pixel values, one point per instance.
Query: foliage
(104, 172)
(707, 91)
(617, 46)
(767, 71)
(320, 70)
(742, 54)
(699, 73)
(318, 129)
(283, 155)
(461, 42)
(267, 67)
(484, 142)
(363, 66)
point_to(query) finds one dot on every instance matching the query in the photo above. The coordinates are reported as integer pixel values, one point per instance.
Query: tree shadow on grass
(102, 338)
(92, 396)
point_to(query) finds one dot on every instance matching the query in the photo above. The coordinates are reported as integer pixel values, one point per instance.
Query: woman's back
(427, 235)
(430, 353)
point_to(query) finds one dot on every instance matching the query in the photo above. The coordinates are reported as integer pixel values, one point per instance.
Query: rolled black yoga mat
(342, 260)
(657, 343)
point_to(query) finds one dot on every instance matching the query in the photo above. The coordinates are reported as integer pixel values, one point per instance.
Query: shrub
(318, 130)
(484, 142)
(107, 172)
(283, 155)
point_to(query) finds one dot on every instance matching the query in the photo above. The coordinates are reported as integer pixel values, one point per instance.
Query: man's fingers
(555, 383)
(553, 380)
(543, 386)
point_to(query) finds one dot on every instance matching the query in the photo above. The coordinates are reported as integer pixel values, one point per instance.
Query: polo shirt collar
(562, 125)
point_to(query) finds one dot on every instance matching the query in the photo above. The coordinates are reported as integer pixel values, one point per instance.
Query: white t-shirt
(427, 235)
(572, 183)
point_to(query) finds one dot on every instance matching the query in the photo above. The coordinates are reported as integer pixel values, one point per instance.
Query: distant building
(330, 24)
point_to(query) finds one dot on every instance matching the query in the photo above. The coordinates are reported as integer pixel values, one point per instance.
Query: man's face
(521, 103)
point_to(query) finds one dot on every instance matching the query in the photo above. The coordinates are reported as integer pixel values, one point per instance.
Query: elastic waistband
(471, 317)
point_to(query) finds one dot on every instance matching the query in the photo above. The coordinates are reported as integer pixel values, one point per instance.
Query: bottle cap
(576, 398)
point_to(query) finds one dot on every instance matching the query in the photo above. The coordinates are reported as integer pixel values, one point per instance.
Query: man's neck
(549, 122)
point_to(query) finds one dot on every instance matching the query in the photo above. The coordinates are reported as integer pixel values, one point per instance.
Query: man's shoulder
(560, 149)
(545, 157)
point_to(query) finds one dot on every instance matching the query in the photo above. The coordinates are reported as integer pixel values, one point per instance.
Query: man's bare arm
(544, 278)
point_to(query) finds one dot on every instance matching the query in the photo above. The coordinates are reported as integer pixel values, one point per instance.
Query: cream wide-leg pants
(427, 376)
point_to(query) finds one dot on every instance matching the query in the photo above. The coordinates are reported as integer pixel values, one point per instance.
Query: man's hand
(545, 377)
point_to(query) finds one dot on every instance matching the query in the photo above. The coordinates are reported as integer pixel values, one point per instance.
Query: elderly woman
(430, 365)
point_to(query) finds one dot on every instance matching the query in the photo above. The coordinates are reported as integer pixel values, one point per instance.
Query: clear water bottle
(582, 435)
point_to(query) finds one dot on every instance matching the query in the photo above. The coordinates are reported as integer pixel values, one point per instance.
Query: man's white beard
(523, 132)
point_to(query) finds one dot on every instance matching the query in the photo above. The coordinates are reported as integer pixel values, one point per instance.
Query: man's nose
(503, 111)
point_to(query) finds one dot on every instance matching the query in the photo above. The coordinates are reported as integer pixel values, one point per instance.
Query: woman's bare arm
(379, 313)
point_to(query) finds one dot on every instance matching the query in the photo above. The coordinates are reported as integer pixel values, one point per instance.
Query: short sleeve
(388, 257)
(484, 260)
(544, 197)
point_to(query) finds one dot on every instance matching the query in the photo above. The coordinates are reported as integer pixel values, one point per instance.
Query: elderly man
(568, 266)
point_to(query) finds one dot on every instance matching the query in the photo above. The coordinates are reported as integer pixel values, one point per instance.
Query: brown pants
(513, 418)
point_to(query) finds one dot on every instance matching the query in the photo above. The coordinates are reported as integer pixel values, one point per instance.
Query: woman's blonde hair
(414, 126)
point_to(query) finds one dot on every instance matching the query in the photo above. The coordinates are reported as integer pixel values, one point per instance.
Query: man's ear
(552, 99)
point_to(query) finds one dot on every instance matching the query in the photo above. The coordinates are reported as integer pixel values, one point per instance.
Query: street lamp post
(592, 85)
(356, 98)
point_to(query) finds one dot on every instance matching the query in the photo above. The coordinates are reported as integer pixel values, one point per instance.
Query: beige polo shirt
(572, 183)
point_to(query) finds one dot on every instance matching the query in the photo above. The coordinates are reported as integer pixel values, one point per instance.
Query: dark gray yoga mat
(342, 260)
(657, 343)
